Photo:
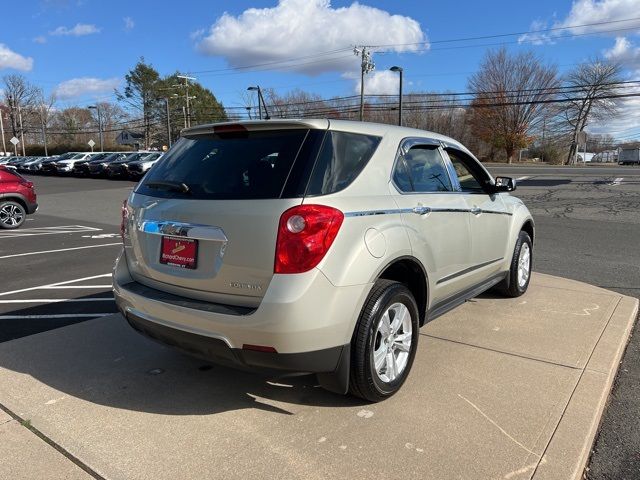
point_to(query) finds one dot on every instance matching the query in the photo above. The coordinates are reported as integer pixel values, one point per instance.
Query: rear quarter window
(342, 157)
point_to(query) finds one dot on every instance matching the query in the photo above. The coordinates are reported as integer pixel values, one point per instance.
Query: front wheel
(384, 343)
(12, 215)
(519, 276)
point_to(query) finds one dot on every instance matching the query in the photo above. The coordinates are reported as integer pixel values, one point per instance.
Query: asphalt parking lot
(55, 270)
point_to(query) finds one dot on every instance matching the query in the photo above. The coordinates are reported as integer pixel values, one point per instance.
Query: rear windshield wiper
(175, 186)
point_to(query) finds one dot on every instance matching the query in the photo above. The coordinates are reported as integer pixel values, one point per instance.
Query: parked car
(138, 168)
(49, 166)
(80, 167)
(65, 167)
(119, 168)
(315, 246)
(17, 198)
(97, 168)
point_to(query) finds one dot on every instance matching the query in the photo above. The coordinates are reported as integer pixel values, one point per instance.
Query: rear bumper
(307, 320)
(217, 351)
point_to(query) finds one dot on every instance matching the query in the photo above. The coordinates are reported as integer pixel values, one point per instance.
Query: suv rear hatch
(203, 222)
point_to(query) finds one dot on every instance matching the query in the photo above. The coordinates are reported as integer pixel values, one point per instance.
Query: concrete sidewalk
(501, 388)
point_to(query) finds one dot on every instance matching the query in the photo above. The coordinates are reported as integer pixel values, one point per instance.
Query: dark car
(138, 168)
(81, 168)
(96, 168)
(17, 198)
(120, 168)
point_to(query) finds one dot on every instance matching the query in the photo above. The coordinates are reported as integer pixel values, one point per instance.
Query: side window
(469, 181)
(341, 159)
(422, 169)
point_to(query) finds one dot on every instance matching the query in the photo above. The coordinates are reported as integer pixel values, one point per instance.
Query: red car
(17, 198)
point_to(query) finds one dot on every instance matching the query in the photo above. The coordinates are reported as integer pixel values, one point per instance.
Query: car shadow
(104, 361)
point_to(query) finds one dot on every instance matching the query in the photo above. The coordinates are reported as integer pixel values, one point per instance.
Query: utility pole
(166, 100)
(4, 145)
(366, 66)
(544, 144)
(187, 97)
(44, 130)
(21, 129)
(97, 109)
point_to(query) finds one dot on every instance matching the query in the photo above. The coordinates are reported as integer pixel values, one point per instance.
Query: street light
(399, 70)
(260, 100)
(97, 108)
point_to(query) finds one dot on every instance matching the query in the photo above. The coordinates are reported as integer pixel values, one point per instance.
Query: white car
(315, 246)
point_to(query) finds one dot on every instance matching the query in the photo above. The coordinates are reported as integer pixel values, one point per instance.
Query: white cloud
(308, 28)
(128, 23)
(598, 11)
(40, 39)
(11, 59)
(79, 30)
(624, 52)
(587, 13)
(382, 82)
(77, 87)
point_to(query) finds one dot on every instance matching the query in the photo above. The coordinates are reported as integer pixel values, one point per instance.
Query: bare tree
(509, 95)
(589, 88)
(42, 110)
(19, 95)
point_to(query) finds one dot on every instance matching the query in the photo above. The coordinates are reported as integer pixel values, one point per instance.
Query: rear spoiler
(255, 125)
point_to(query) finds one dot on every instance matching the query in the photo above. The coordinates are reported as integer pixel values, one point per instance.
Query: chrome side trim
(496, 212)
(365, 213)
(180, 229)
(467, 270)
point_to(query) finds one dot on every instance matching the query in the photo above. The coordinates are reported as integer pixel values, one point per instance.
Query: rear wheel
(519, 276)
(384, 343)
(12, 214)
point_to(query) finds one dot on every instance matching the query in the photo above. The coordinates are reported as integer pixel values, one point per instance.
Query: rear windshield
(235, 166)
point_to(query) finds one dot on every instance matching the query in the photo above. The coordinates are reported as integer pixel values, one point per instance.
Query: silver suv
(315, 246)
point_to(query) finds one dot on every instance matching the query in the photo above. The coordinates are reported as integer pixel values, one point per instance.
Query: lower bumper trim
(217, 351)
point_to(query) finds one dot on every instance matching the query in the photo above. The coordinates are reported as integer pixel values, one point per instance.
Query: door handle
(421, 210)
(476, 210)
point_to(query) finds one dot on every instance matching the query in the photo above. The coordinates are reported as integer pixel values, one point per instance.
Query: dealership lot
(479, 375)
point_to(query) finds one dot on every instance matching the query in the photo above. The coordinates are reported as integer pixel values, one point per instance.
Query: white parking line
(519, 179)
(32, 232)
(65, 287)
(59, 250)
(68, 315)
(59, 300)
(55, 284)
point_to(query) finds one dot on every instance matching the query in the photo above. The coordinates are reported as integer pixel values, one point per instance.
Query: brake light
(125, 217)
(305, 234)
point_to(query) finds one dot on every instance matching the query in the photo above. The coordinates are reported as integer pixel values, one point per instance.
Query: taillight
(305, 234)
(125, 217)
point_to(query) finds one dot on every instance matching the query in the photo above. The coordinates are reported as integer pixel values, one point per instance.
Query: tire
(365, 380)
(518, 280)
(12, 215)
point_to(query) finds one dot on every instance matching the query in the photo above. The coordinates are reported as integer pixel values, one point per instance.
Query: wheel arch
(528, 227)
(14, 198)
(409, 271)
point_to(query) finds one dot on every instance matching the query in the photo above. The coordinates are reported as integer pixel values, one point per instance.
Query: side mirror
(504, 184)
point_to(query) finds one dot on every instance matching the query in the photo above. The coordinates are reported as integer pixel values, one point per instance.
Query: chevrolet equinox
(315, 246)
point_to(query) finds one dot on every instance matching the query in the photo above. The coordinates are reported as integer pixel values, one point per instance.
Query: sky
(81, 49)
